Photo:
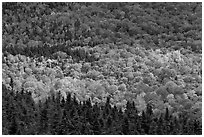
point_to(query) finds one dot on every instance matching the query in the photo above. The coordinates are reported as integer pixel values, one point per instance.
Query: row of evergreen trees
(48, 50)
(60, 116)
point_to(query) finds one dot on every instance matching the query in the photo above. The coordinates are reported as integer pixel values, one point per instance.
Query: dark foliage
(34, 29)
(59, 116)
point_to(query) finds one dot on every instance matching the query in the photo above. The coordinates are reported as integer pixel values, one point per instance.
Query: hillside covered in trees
(102, 68)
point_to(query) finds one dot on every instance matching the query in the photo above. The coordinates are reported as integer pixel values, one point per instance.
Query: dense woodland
(60, 116)
(153, 24)
(102, 68)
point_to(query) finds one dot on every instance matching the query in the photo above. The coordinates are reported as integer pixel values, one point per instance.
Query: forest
(102, 68)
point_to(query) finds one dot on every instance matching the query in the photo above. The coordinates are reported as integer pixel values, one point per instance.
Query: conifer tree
(149, 111)
(125, 126)
(109, 122)
(68, 98)
(64, 124)
(63, 102)
(144, 122)
(197, 127)
(43, 126)
(167, 114)
(96, 127)
(107, 107)
(101, 122)
(176, 126)
(128, 105)
(14, 128)
(160, 126)
(153, 128)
